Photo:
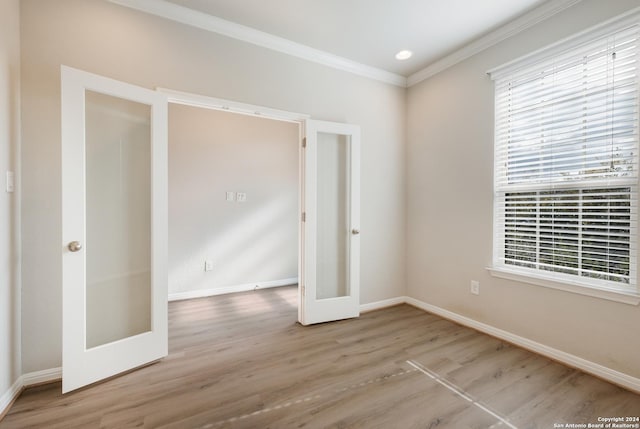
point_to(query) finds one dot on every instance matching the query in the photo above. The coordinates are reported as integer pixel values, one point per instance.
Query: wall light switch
(242, 197)
(231, 196)
(10, 181)
(208, 265)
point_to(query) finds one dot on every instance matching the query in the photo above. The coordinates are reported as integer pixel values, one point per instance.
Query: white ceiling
(371, 32)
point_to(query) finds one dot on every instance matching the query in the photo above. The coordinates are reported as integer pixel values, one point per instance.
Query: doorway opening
(234, 197)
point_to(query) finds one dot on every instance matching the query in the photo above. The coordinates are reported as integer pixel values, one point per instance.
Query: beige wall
(9, 206)
(449, 209)
(117, 42)
(212, 152)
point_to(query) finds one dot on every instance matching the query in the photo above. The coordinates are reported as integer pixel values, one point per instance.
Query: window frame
(570, 282)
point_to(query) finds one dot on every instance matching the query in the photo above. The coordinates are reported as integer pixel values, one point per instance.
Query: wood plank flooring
(241, 361)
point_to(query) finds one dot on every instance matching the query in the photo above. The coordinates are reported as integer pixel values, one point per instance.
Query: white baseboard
(382, 304)
(24, 381)
(608, 374)
(9, 396)
(202, 293)
(39, 377)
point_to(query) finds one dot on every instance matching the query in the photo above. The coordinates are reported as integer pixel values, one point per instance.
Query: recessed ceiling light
(404, 55)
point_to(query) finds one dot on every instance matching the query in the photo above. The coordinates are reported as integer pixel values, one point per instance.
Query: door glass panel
(118, 218)
(332, 275)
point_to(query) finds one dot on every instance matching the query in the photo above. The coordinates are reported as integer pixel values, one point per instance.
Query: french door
(114, 227)
(330, 268)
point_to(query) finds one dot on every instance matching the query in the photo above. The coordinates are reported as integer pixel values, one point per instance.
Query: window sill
(581, 289)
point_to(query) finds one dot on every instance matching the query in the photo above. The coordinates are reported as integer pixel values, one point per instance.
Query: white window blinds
(566, 163)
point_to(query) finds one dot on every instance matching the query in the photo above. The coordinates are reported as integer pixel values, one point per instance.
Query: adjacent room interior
(313, 231)
(233, 202)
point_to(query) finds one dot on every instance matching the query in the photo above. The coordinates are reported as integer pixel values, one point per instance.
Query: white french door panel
(331, 249)
(114, 227)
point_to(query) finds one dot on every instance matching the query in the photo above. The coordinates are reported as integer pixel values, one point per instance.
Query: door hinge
(304, 142)
(304, 216)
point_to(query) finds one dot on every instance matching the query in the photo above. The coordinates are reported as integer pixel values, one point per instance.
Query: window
(566, 162)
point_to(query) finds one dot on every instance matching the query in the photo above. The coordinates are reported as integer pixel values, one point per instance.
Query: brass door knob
(74, 246)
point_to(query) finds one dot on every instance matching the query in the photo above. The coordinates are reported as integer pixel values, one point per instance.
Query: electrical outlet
(208, 265)
(475, 287)
(241, 197)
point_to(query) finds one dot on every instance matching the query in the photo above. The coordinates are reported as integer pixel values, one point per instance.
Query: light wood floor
(241, 361)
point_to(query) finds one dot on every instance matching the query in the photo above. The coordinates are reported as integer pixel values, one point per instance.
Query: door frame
(345, 309)
(213, 103)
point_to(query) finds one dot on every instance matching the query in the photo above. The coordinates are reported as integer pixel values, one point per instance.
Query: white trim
(608, 374)
(206, 102)
(203, 293)
(378, 305)
(221, 26)
(514, 27)
(8, 397)
(39, 377)
(568, 43)
(579, 288)
(27, 380)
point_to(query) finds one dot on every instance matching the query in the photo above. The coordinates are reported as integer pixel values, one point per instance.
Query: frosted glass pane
(333, 216)
(118, 218)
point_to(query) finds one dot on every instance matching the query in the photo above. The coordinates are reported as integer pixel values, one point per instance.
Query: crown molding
(221, 26)
(617, 23)
(510, 29)
(214, 24)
